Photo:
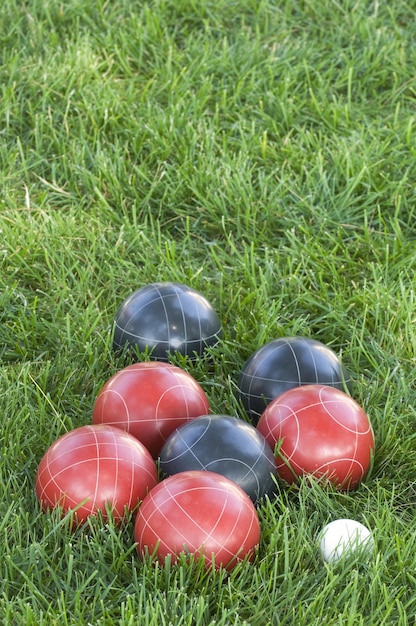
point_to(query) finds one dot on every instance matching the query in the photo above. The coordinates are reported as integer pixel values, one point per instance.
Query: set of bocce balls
(213, 470)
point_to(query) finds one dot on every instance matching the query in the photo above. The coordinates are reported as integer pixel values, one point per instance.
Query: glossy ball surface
(150, 400)
(286, 363)
(226, 445)
(199, 513)
(345, 537)
(164, 318)
(321, 432)
(95, 468)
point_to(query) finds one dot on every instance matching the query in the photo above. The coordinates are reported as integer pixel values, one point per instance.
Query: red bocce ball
(198, 513)
(95, 468)
(320, 431)
(150, 400)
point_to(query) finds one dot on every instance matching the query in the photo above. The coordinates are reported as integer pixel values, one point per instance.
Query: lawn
(264, 153)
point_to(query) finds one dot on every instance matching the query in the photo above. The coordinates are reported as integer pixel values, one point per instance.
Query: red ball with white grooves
(322, 432)
(200, 513)
(92, 468)
(150, 400)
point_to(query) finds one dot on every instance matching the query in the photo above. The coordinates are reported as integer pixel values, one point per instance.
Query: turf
(263, 153)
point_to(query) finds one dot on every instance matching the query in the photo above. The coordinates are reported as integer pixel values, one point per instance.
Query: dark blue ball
(164, 318)
(285, 363)
(226, 445)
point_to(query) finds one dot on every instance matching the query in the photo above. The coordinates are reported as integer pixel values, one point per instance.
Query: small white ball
(344, 537)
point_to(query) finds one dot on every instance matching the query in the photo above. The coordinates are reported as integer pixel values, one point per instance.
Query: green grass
(265, 154)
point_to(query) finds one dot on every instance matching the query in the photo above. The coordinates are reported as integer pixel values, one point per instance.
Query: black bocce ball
(285, 363)
(225, 445)
(164, 318)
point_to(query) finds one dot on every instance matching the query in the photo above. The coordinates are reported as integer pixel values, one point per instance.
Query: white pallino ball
(344, 537)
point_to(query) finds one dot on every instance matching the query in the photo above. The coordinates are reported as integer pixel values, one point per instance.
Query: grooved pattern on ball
(150, 400)
(321, 431)
(166, 317)
(283, 364)
(226, 445)
(93, 468)
(200, 513)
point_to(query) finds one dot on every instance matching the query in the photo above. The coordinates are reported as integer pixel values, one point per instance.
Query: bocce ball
(226, 445)
(95, 468)
(150, 400)
(285, 363)
(198, 513)
(164, 318)
(345, 537)
(320, 431)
